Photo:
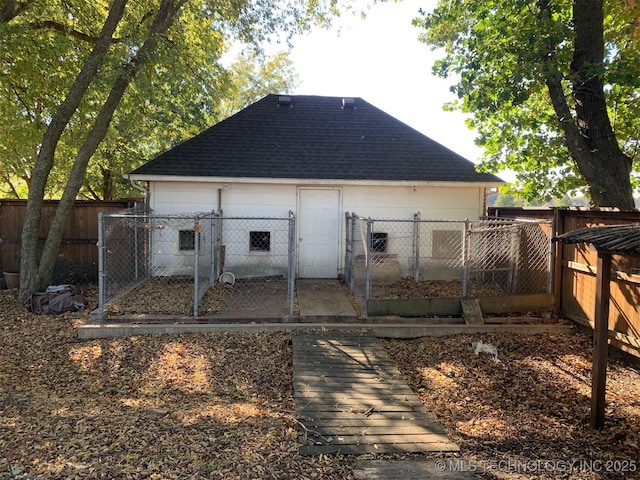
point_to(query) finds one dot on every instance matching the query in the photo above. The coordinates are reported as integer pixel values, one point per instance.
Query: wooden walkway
(351, 399)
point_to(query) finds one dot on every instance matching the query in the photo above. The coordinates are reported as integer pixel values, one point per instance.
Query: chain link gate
(515, 255)
(196, 264)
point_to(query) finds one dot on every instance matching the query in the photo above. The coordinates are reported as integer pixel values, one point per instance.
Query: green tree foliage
(551, 85)
(76, 73)
(189, 92)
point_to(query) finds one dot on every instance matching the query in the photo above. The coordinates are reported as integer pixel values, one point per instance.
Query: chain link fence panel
(387, 258)
(202, 264)
(257, 262)
(513, 255)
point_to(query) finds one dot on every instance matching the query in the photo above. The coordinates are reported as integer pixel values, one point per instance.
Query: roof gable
(314, 137)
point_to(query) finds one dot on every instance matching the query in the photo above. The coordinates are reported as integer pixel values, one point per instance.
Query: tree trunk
(9, 9)
(590, 137)
(607, 168)
(164, 19)
(30, 281)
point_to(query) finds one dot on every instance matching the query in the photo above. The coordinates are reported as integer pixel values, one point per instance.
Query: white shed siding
(255, 200)
(436, 203)
(276, 200)
(170, 198)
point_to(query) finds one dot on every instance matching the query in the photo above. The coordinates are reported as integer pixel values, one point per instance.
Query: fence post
(552, 258)
(367, 262)
(217, 269)
(514, 256)
(352, 265)
(347, 247)
(416, 243)
(465, 259)
(196, 258)
(135, 248)
(101, 272)
(292, 262)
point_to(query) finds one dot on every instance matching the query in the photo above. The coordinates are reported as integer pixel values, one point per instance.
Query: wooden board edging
(446, 330)
(420, 307)
(621, 341)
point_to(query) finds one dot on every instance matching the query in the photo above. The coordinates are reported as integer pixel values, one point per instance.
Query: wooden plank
(471, 311)
(378, 357)
(372, 430)
(354, 398)
(374, 422)
(600, 342)
(378, 439)
(417, 416)
(360, 351)
(438, 447)
(337, 338)
(368, 389)
(310, 407)
(340, 370)
(337, 363)
(300, 374)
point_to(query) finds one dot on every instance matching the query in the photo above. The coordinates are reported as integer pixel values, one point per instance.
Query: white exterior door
(318, 233)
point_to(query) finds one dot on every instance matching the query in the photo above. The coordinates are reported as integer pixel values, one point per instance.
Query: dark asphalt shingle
(314, 138)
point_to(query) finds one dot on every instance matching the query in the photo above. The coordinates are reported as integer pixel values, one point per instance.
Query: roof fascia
(309, 181)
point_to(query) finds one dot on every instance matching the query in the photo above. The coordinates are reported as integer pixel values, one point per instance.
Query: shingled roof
(314, 137)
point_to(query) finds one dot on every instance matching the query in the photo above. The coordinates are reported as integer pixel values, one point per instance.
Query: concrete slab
(323, 298)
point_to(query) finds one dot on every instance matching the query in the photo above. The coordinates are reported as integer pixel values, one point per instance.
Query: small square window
(379, 242)
(260, 241)
(187, 240)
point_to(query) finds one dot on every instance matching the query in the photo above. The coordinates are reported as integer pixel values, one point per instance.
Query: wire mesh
(448, 258)
(514, 255)
(198, 264)
(155, 264)
(256, 265)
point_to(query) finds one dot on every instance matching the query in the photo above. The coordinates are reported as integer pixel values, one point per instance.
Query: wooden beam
(471, 311)
(559, 227)
(600, 341)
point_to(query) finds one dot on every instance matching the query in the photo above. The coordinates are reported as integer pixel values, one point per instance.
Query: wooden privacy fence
(576, 268)
(78, 256)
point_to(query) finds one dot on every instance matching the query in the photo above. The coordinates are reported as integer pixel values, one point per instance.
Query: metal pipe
(196, 258)
(416, 240)
(367, 262)
(292, 262)
(465, 260)
(101, 272)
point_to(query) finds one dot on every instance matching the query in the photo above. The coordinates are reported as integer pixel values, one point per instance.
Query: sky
(381, 60)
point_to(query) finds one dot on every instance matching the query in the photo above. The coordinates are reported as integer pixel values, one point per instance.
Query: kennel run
(208, 265)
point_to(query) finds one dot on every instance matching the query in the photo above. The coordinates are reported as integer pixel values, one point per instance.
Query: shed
(607, 240)
(318, 157)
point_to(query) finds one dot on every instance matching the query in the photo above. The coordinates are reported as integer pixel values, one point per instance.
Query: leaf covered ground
(221, 405)
(158, 407)
(526, 414)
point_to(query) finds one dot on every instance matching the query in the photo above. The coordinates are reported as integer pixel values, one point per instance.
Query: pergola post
(600, 341)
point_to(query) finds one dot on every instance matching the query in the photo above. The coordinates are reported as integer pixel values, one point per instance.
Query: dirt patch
(174, 296)
(266, 298)
(158, 295)
(408, 287)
